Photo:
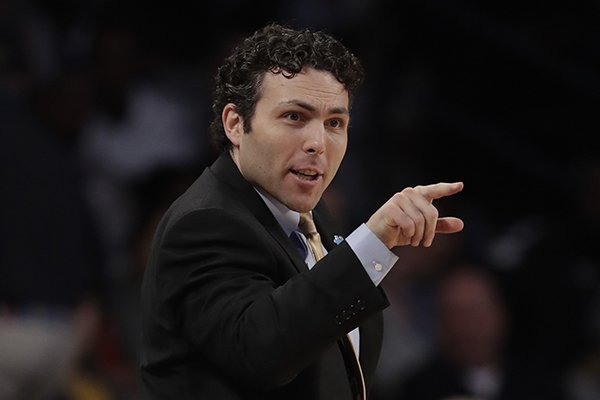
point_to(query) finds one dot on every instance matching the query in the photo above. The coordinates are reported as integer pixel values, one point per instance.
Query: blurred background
(104, 109)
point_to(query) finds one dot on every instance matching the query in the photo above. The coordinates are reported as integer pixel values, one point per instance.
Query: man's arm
(222, 277)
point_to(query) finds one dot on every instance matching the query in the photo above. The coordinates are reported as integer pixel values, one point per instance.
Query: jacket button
(361, 305)
(347, 315)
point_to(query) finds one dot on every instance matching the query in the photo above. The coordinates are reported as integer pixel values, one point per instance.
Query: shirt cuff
(375, 257)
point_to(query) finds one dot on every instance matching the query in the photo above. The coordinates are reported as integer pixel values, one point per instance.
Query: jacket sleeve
(217, 273)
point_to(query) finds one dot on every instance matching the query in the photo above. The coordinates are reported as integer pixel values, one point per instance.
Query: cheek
(273, 158)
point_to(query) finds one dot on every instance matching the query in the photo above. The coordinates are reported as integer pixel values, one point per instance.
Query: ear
(233, 124)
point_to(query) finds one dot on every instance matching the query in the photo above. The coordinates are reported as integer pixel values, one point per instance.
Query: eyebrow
(309, 107)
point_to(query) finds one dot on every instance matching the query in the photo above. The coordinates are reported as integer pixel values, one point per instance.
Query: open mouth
(305, 174)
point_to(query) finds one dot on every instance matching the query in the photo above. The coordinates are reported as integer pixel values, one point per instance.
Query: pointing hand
(410, 217)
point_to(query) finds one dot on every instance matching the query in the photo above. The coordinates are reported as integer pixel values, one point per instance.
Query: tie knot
(307, 225)
(308, 228)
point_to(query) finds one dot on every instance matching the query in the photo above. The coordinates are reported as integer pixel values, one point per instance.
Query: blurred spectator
(555, 283)
(28, 47)
(409, 335)
(473, 359)
(583, 376)
(142, 123)
(52, 284)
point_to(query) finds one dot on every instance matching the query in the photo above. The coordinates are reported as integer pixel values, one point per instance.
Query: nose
(314, 142)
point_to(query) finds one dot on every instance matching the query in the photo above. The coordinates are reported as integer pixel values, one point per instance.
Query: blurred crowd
(104, 108)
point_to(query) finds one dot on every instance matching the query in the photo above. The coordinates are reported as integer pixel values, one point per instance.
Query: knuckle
(432, 213)
(409, 228)
(419, 219)
(396, 197)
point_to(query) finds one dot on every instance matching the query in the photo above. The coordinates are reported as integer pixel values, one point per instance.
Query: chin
(301, 201)
(302, 206)
(299, 207)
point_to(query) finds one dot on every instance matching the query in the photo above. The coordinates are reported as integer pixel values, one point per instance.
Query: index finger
(441, 189)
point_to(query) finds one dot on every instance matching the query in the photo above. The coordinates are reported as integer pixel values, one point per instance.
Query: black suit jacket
(230, 310)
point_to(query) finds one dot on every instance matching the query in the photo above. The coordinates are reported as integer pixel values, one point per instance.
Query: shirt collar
(288, 219)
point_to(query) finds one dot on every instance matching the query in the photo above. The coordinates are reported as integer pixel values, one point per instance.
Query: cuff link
(378, 267)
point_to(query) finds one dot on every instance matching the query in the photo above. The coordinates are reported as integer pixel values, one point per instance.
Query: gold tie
(308, 228)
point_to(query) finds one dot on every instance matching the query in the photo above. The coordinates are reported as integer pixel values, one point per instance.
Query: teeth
(308, 173)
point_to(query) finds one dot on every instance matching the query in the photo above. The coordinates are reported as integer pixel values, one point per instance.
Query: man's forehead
(308, 86)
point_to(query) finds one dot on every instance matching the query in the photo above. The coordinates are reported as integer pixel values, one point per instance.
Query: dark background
(503, 96)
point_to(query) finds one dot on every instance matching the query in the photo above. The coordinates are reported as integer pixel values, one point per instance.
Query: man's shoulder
(204, 195)
(220, 185)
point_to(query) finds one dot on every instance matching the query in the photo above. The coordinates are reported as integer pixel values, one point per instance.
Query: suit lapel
(325, 226)
(227, 172)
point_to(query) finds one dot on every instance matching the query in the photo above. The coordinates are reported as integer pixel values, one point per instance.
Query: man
(233, 304)
(473, 358)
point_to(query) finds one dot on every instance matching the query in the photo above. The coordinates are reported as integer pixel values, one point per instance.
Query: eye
(336, 123)
(293, 116)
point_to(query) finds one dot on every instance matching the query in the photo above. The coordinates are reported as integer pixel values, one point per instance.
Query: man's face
(298, 137)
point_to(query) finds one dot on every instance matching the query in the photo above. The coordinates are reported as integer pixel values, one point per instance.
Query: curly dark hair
(278, 49)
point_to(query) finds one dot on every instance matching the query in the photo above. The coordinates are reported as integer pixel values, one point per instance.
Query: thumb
(449, 225)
